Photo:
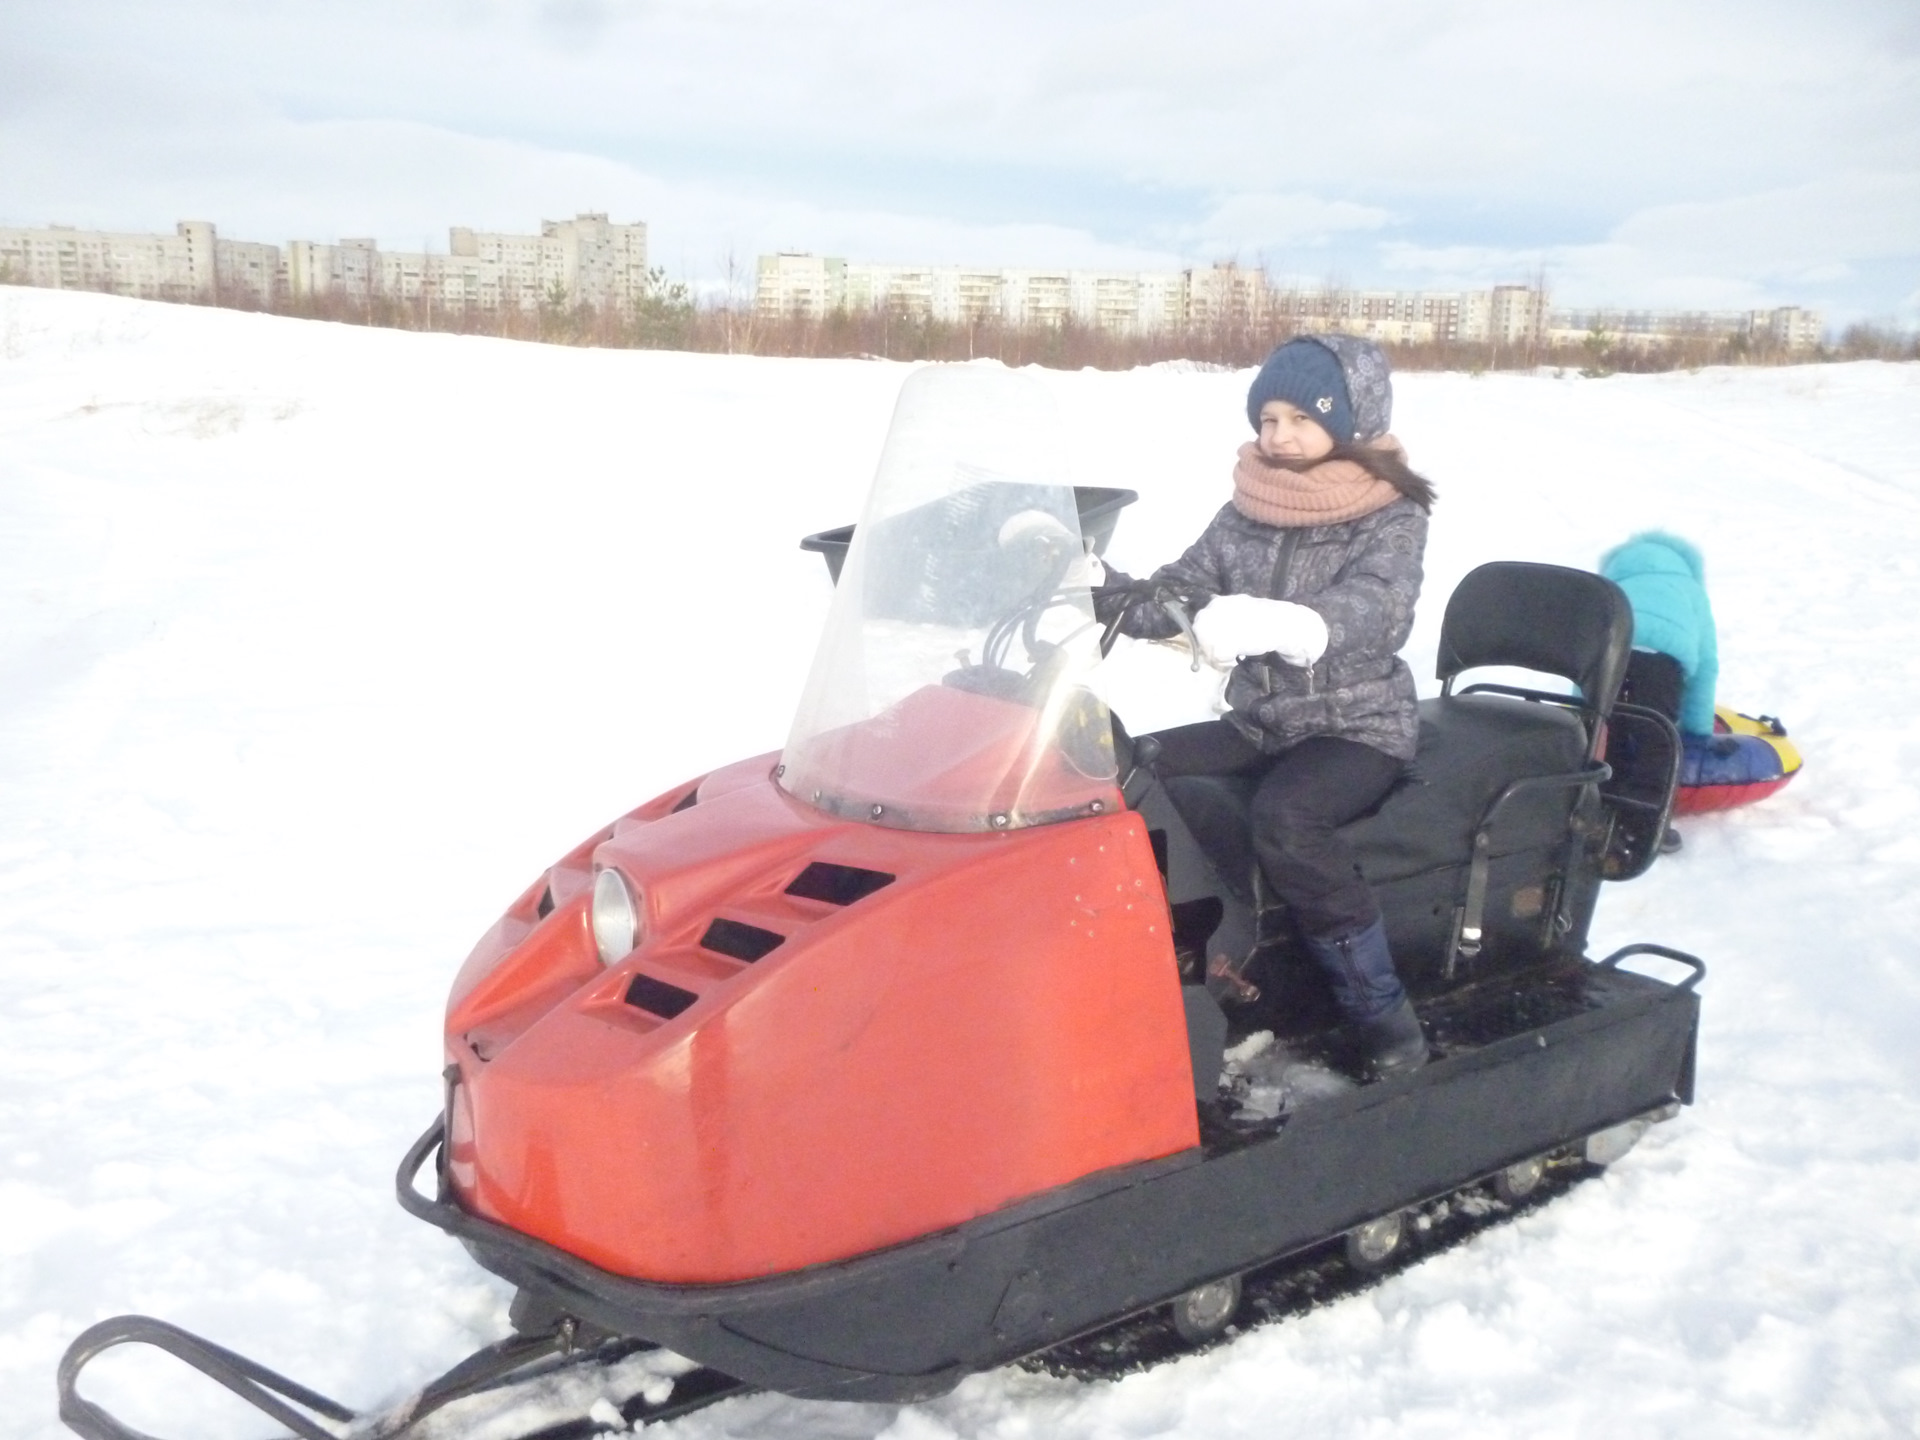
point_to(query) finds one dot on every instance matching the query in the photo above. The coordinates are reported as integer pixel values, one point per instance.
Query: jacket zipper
(1283, 562)
(1282, 566)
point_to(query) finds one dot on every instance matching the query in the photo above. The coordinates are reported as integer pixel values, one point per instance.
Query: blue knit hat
(1308, 376)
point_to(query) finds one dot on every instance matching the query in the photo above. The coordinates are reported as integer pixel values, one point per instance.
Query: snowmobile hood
(771, 1079)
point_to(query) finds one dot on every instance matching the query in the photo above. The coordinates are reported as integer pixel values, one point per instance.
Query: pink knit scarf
(1323, 494)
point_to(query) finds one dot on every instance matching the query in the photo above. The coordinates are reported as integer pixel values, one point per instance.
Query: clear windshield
(948, 691)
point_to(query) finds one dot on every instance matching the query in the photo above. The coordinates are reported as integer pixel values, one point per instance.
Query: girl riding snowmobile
(1305, 584)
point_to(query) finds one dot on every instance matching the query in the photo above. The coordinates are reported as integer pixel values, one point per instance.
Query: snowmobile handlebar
(1178, 605)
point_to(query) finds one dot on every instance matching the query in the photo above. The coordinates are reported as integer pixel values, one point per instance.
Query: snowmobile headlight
(616, 917)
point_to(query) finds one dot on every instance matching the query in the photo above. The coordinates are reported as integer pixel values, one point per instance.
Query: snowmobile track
(1297, 1284)
(1282, 1290)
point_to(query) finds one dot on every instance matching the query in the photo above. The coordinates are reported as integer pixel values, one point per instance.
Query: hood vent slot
(657, 997)
(837, 884)
(739, 940)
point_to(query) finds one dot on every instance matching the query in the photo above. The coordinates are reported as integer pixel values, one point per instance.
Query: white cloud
(1639, 98)
(1267, 225)
(1605, 274)
(406, 183)
(1768, 248)
(1802, 228)
(1638, 148)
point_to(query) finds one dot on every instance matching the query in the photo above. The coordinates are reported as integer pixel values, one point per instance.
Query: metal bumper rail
(302, 1410)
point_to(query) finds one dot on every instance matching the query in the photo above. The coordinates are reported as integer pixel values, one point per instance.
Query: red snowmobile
(854, 1068)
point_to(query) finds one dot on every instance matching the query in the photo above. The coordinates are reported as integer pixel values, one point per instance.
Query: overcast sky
(1695, 153)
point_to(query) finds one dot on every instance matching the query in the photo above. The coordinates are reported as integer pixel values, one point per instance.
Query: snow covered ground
(317, 643)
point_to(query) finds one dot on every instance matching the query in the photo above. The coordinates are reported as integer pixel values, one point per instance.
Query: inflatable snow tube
(1746, 759)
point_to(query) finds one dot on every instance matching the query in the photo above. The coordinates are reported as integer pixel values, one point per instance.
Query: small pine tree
(1598, 346)
(663, 315)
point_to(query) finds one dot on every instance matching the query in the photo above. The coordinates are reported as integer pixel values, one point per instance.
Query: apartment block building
(193, 263)
(1783, 328)
(1505, 315)
(1145, 302)
(815, 286)
(587, 258)
(1788, 326)
(1139, 302)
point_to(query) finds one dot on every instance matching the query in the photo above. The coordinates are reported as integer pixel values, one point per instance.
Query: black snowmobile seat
(1547, 618)
(1514, 614)
(1471, 748)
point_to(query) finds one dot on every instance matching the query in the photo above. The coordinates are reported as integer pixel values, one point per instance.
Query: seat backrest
(1549, 618)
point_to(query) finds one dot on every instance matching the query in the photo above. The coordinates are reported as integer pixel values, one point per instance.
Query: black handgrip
(1666, 952)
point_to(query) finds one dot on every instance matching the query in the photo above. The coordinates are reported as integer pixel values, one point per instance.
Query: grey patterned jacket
(1362, 576)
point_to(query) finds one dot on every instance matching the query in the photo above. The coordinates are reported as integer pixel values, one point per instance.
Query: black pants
(1304, 795)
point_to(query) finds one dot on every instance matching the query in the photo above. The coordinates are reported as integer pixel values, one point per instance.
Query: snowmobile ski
(513, 1362)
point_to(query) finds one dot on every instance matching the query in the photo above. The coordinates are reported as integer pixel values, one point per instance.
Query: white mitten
(1233, 626)
(1087, 571)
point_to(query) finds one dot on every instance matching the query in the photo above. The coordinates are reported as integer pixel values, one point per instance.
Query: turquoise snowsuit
(1664, 578)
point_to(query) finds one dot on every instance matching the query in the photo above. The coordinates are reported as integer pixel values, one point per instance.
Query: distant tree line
(669, 317)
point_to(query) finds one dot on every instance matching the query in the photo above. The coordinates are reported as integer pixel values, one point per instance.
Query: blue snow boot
(1381, 1019)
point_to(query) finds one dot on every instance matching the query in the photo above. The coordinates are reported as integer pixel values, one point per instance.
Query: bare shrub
(1871, 341)
(1237, 334)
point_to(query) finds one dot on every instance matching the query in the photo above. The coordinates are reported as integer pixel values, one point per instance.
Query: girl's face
(1287, 433)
